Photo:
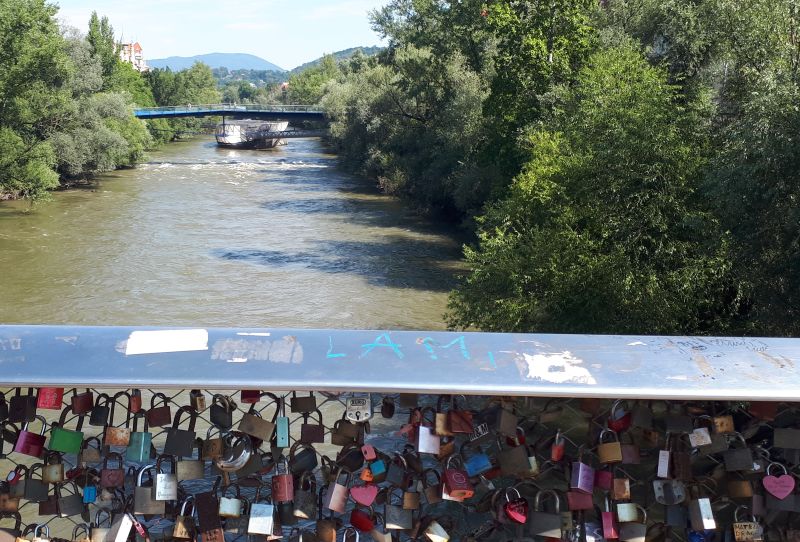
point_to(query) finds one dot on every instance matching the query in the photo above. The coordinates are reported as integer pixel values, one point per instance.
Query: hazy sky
(284, 32)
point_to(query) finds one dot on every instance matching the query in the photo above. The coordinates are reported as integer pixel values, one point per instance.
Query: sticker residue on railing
(166, 340)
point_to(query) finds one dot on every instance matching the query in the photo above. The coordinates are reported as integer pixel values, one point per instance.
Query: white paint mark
(69, 340)
(596, 366)
(237, 360)
(558, 368)
(680, 377)
(637, 343)
(166, 340)
(254, 334)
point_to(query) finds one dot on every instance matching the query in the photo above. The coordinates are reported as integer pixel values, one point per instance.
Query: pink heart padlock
(364, 495)
(516, 509)
(781, 486)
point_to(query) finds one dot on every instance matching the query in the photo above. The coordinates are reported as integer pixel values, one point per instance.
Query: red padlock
(136, 401)
(558, 448)
(362, 520)
(250, 396)
(518, 439)
(609, 520)
(30, 443)
(456, 481)
(516, 509)
(603, 479)
(620, 419)
(282, 483)
(50, 398)
(82, 403)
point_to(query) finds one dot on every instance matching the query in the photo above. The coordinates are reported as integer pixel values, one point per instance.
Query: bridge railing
(285, 108)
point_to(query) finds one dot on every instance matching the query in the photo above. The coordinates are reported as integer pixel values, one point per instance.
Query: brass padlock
(609, 452)
(184, 523)
(53, 472)
(748, 529)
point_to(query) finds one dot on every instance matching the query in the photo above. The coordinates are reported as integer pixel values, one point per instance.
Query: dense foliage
(628, 165)
(66, 101)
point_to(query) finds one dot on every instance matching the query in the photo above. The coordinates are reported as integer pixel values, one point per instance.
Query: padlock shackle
(166, 457)
(158, 396)
(140, 475)
(537, 499)
(41, 528)
(776, 464)
(739, 508)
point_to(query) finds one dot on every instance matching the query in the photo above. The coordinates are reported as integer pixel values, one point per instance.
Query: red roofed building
(132, 53)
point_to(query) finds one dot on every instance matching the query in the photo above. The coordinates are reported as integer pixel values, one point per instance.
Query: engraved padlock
(262, 515)
(358, 408)
(609, 451)
(166, 484)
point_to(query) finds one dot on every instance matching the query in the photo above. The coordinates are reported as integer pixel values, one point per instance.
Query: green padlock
(138, 449)
(65, 440)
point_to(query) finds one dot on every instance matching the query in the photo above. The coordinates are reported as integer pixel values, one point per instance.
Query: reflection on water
(207, 236)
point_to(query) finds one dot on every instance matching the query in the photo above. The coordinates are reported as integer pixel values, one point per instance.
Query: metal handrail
(544, 365)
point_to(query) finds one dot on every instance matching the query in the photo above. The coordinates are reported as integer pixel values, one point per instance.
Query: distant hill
(339, 56)
(232, 61)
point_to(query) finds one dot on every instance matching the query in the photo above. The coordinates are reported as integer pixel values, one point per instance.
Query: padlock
(664, 466)
(139, 442)
(50, 398)
(212, 447)
(118, 436)
(206, 506)
(100, 411)
(305, 498)
(65, 440)
(41, 533)
(335, 498)
(238, 454)
(190, 469)
(22, 408)
(350, 457)
(262, 515)
(282, 482)
(311, 433)
(53, 472)
(144, 501)
(740, 489)
(781, 486)
(677, 422)
(621, 487)
(302, 458)
(281, 425)
(89, 488)
(634, 531)
(505, 420)
(515, 462)
(237, 526)
(578, 500)
(480, 433)
(669, 492)
(455, 483)
(33, 488)
(737, 459)
(112, 477)
(303, 405)
(231, 507)
(515, 508)
(362, 520)
(460, 420)
(90, 454)
(681, 459)
(442, 422)
(159, 416)
(395, 516)
(10, 534)
(627, 512)
(558, 447)
(432, 491)
(582, 475)
(609, 452)
(8, 433)
(475, 463)
(428, 441)
(87, 532)
(603, 479)
(435, 532)
(413, 460)
(701, 515)
(8, 502)
(29, 443)
(397, 471)
(744, 530)
(121, 528)
(609, 521)
(254, 425)
(69, 505)
(410, 497)
(180, 442)
(326, 527)
(165, 487)
(547, 524)
(642, 416)
(136, 400)
(619, 419)
(387, 407)
(197, 400)
(358, 408)
(723, 424)
(184, 522)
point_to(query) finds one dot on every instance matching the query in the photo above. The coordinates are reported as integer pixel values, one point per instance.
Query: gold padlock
(609, 452)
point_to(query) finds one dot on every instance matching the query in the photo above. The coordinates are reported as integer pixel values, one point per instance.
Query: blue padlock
(377, 467)
(475, 464)
(89, 494)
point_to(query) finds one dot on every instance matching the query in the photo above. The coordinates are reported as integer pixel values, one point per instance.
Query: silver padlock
(634, 531)
(748, 530)
(166, 484)
(143, 501)
(41, 533)
(701, 516)
(358, 408)
(262, 516)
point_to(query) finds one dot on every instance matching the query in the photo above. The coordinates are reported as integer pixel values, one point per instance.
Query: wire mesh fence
(650, 432)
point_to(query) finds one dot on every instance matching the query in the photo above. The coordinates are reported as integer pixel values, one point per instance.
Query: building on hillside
(132, 54)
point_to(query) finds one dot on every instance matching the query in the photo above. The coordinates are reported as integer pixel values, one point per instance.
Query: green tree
(33, 71)
(307, 87)
(602, 232)
(101, 39)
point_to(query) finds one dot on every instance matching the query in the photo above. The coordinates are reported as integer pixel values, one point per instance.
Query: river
(200, 235)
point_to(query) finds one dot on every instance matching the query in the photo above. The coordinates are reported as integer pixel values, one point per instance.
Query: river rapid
(203, 236)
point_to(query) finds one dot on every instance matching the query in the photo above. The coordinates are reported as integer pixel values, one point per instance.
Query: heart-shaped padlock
(781, 486)
(516, 508)
(364, 495)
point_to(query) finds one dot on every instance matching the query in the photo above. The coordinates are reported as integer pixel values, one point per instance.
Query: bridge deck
(266, 112)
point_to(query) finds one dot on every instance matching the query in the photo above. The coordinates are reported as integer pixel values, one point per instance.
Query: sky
(284, 32)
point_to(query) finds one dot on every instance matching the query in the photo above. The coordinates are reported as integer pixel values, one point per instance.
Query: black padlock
(3, 407)
(221, 411)
(100, 411)
(180, 442)
(23, 407)
(387, 407)
(286, 513)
